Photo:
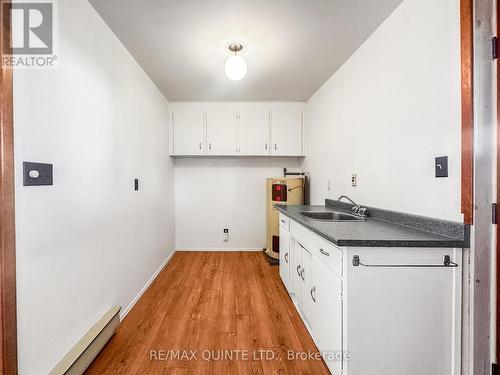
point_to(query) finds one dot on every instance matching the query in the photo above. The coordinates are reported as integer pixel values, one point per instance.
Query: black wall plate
(441, 166)
(37, 174)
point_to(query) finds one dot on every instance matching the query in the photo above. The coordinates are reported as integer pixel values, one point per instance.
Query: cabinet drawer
(284, 222)
(301, 233)
(327, 253)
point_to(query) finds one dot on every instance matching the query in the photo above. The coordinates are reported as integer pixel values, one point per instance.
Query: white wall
(388, 111)
(89, 241)
(225, 192)
(216, 193)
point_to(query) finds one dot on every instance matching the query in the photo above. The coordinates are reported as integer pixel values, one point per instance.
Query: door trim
(8, 319)
(497, 345)
(466, 47)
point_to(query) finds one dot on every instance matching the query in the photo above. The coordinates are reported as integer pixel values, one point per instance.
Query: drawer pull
(283, 221)
(324, 252)
(356, 262)
(313, 294)
(302, 274)
(298, 270)
(286, 257)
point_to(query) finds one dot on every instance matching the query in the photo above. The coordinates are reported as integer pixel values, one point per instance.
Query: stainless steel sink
(332, 216)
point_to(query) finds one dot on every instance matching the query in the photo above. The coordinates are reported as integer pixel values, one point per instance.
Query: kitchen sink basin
(332, 216)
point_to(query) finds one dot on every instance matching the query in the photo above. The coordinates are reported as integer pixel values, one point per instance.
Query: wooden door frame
(467, 165)
(8, 319)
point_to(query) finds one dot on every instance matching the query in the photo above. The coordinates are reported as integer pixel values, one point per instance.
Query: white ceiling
(291, 46)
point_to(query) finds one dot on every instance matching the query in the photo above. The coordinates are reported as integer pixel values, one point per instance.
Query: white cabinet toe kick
(388, 311)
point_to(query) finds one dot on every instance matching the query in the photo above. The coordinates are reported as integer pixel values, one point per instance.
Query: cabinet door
(221, 132)
(286, 132)
(416, 310)
(188, 132)
(295, 269)
(285, 257)
(327, 314)
(307, 285)
(253, 131)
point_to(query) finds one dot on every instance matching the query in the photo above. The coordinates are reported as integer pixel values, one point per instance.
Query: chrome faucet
(357, 208)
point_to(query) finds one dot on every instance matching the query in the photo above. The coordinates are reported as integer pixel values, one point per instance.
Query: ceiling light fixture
(236, 66)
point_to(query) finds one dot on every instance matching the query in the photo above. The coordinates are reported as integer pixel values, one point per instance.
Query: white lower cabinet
(367, 316)
(307, 284)
(285, 257)
(302, 279)
(326, 293)
(295, 271)
(403, 320)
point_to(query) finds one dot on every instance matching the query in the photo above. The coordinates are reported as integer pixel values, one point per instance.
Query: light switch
(441, 166)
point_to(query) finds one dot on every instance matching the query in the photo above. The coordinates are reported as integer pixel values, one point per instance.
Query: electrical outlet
(329, 185)
(226, 234)
(354, 180)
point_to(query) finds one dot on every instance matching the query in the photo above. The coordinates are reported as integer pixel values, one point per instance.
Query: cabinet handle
(210, 146)
(356, 262)
(283, 221)
(324, 252)
(200, 145)
(298, 268)
(266, 145)
(275, 146)
(302, 274)
(286, 257)
(313, 293)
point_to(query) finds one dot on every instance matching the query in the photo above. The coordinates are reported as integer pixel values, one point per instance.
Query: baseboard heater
(81, 356)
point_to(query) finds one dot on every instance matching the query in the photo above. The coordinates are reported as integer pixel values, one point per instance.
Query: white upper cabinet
(286, 132)
(221, 132)
(188, 134)
(253, 131)
(236, 129)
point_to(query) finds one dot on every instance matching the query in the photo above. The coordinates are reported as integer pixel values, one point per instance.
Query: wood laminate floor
(218, 313)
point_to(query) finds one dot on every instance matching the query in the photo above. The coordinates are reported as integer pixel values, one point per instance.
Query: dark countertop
(382, 228)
